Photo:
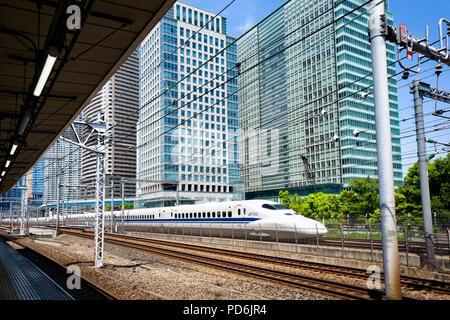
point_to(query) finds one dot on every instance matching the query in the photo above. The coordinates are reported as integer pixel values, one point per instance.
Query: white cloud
(249, 22)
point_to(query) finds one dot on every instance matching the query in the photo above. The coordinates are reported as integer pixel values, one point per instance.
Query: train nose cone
(311, 228)
(321, 229)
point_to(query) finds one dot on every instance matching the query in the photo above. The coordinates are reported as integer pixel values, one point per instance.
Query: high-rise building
(302, 127)
(35, 184)
(187, 132)
(61, 163)
(117, 103)
(11, 202)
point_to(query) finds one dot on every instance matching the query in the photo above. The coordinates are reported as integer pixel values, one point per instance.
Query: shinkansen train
(253, 218)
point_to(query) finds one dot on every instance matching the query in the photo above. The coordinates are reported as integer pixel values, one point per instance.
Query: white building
(187, 131)
(118, 100)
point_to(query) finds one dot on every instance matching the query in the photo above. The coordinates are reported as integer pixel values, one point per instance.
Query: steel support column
(384, 152)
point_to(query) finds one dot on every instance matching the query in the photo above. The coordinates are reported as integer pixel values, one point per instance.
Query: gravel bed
(417, 294)
(136, 275)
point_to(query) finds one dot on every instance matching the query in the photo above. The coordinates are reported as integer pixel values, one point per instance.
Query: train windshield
(275, 207)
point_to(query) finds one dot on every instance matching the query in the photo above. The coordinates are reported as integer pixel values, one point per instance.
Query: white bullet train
(239, 219)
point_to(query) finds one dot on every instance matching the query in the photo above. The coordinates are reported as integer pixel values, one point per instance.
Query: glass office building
(301, 104)
(187, 131)
(12, 202)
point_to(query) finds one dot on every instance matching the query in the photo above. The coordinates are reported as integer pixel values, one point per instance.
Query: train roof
(190, 206)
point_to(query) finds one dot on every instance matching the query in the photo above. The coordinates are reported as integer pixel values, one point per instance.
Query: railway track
(323, 286)
(434, 286)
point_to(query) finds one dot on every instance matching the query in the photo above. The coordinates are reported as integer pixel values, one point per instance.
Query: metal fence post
(260, 235)
(371, 243)
(317, 239)
(276, 235)
(232, 235)
(245, 235)
(406, 245)
(342, 240)
(295, 237)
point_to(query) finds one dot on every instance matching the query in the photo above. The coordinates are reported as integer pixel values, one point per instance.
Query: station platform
(20, 279)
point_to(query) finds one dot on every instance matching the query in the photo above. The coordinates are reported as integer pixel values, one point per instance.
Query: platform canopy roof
(31, 31)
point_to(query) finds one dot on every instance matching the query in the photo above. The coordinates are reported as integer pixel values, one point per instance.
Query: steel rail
(336, 289)
(434, 286)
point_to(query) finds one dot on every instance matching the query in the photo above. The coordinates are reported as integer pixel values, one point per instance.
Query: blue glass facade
(305, 90)
(14, 197)
(37, 191)
(169, 77)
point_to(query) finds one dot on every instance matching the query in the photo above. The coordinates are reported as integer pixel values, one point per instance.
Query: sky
(243, 14)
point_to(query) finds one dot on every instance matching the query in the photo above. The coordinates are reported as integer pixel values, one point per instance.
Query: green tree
(439, 182)
(128, 206)
(362, 198)
(318, 206)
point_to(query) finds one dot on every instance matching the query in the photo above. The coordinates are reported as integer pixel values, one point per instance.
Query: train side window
(213, 214)
(239, 212)
(229, 214)
(204, 214)
(195, 214)
(245, 211)
(190, 215)
(209, 214)
(224, 214)
(218, 214)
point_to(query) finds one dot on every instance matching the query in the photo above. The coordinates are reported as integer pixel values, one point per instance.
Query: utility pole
(58, 204)
(99, 127)
(423, 173)
(178, 191)
(379, 32)
(112, 203)
(377, 36)
(123, 201)
(100, 204)
(419, 90)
